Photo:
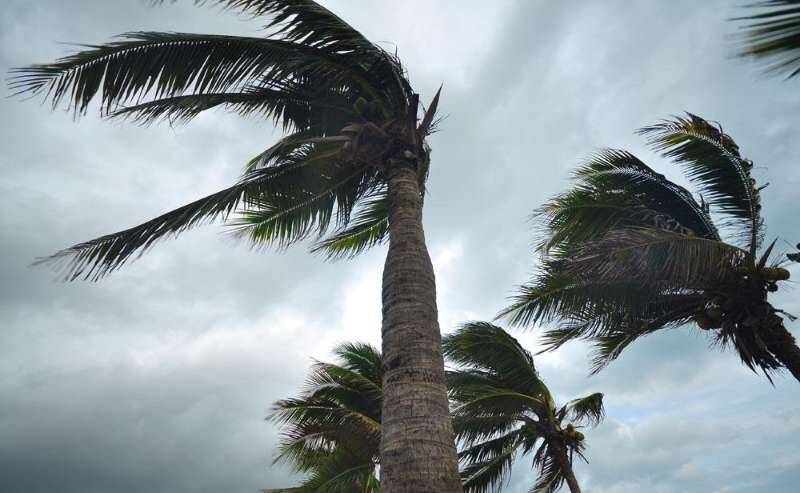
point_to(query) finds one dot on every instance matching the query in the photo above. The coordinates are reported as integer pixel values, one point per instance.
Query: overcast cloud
(158, 378)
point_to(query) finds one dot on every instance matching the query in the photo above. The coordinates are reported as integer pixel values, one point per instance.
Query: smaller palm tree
(627, 253)
(772, 35)
(332, 431)
(501, 408)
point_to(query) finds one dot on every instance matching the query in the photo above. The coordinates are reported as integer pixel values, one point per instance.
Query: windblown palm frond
(337, 472)
(627, 253)
(332, 431)
(346, 103)
(502, 410)
(711, 159)
(772, 35)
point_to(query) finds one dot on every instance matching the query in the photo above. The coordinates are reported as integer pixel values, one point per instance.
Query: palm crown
(501, 408)
(344, 102)
(628, 252)
(332, 431)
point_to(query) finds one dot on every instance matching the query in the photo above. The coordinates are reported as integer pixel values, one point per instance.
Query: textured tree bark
(418, 453)
(781, 344)
(566, 467)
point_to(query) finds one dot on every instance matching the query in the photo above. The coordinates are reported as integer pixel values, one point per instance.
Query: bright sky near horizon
(158, 378)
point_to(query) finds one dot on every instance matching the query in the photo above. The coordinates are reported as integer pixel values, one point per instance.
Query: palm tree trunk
(781, 344)
(418, 453)
(566, 468)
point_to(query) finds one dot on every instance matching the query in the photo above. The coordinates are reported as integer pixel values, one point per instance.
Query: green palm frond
(772, 35)
(551, 477)
(339, 408)
(485, 346)
(91, 260)
(341, 471)
(651, 255)
(587, 409)
(288, 107)
(472, 430)
(712, 161)
(309, 23)
(489, 475)
(159, 65)
(368, 227)
(616, 189)
(554, 294)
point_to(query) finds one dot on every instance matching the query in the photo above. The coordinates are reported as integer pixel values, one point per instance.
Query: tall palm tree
(332, 431)
(626, 253)
(772, 35)
(350, 173)
(501, 408)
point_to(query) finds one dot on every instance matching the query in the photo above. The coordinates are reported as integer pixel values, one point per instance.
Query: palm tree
(350, 173)
(332, 431)
(772, 36)
(627, 253)
(501, 408)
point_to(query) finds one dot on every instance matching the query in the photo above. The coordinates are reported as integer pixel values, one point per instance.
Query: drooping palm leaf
(772, 35)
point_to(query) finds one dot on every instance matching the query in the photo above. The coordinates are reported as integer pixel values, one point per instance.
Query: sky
(158, 378)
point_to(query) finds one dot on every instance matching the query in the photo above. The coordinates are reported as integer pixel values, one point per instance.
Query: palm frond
(550, 475)
(341, 471)
(615, 189)
(489, 475)
(712, 160)
(288, 107)
(587, 409)
(482, 345)
(368, 227)
(283, 220)
(92, 260)
(471, 430)
(309, 23)
(552, 294)
(772, 36)
(339, 409)
(651, 255)
(165, 64)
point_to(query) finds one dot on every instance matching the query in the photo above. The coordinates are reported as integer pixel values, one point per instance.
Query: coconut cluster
(572, 433)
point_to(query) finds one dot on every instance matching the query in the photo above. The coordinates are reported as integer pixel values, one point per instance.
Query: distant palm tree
(332, 431)
(627, 253)
(501, 408)
(772, 35)
(351, 173)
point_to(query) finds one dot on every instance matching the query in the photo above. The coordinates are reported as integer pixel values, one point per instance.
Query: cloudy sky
(158, 378)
